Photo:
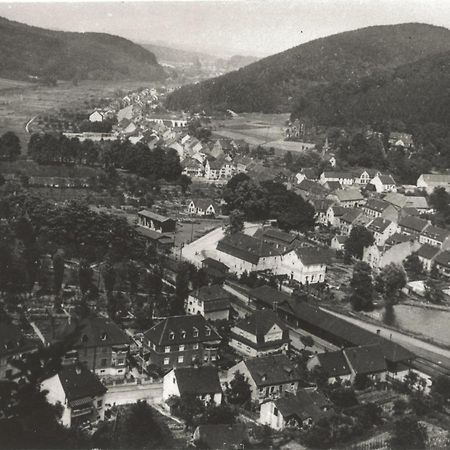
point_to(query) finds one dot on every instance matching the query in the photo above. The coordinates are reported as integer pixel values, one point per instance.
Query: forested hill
(277, 82)
(30, 51)
(416, 93)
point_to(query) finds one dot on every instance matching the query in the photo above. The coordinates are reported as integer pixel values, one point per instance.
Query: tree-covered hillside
(277, 82)
(28, 51)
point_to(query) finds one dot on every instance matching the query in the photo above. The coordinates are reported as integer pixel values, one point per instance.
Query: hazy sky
(254, 27)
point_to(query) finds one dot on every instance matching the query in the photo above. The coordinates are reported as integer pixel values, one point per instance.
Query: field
(20, 101)
(254, 128)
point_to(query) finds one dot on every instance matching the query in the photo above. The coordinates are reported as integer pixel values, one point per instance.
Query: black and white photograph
(225, 225)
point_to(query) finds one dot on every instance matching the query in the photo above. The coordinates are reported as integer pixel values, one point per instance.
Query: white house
(333, 364)
(80, 393)
(201, 382)
(435, 236)
(384, 183)
(379, 256)
(96, 116)
(430, 181)
(382, 229)
(202, 207)
(345, 178)
(212, 302)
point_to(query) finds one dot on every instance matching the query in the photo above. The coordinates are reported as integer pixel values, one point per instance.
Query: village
(239, 322)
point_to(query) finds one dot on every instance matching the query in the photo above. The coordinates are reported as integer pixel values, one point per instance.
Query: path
(131, 393)
(426, 351)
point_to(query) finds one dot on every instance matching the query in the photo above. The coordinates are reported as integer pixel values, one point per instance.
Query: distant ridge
(280, 82)
(28, 51)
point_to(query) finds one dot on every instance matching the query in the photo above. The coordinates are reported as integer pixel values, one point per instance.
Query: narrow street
(131, 393)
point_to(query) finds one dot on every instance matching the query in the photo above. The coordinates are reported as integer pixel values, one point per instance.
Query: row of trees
(268, 200)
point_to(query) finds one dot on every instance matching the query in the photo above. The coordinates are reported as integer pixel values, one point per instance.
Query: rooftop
(79, 382)
(260, 323)
(412, 223)
(366, 359)
(152, 215)
(334, 364)
(197, 380)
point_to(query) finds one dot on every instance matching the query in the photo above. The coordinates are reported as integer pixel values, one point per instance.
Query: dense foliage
(31, 51)
(9, 146)
(268, 200)
(278, 82)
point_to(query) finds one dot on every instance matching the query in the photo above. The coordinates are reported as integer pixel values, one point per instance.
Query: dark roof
(222, 436)
(351, 215)
(439, 234)
(397, 238)
(197, 380)
(272, 370)
(337, 174)
(339, 211)
(268, 295)
(154, 216)
(311, 186)
(413, 223)
(12, 339)
(260, 322)
(321, 205)
(204, 203)
(310, 173)
(215, 298)
(386, 179)
(367, 359)
(379, 224)
(333, 185)
(155, 235)
(94, 332)
(443, 258)
(377, 204)
(276, 235)
(334, 364)
(348, 195)
(246, 247)
(79, 382)
(313, 255)
(211, 262)
(427, 251)
(160, 333)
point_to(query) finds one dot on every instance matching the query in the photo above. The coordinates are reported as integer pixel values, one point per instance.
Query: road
(428, 354)
(131, 393)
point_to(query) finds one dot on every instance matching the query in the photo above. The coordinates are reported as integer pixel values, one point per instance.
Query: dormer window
(195, 332)
(103, 336)
(207, 331)
(183, 334)
(171, 335)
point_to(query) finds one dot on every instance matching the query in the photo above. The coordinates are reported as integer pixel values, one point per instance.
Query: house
(299, 411)
(307, 173)
(202, 207)
(101, 345)
(192, 168)
(401, 201)
(366, 360)
(281, 240)
(156, 222)
(96, 116)
(161, 241)
(201, 382)
(411, 225)
(345, 178)
(365, 176)
(334, 214)
(259, 334)
(218, 169)
(398, 139)
(13, 344)
(382, 229)
(338, 242)
(181, 341)
(215, 269)
(436, 236)
(384, 183)
(310, 189)
(307, 265)
(332, 186)
(212, 302)
(442, 261)
(270, 376)
(333, 364)
(349, 220)
(426, 254)
(348, 198)
(430, 181)
(375, 207)
(79, 392)
(380, 256)
(221, 436)
(321, 207)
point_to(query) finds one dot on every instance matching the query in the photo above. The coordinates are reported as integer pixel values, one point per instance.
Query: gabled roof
(443, 258)
(246, 247)
(311, 187)
(12, 339)
(155, 235)
(312, 255)
(406, 201)
(348, 195)
(275, 235)
(183, 330)
(436, 178)
(197, 380)
(427, 251)
(321, 205)
(377, 204)
(214, 297)
(94, 332)
(260, 322)
(337, 174)
(412, 223)
(222, 436)
(154, 216)
(268, 295)
(366, 359)
(79, 382)
(351, 215)
(333, 185)
(272, 370)
(339, 211)
(334, 364)
(211, 262)
(436, 233)
(386, 179)
(310, 173)
(204, 203)
(379, 225)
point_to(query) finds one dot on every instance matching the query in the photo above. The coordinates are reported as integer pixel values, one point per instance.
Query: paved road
(123, 394)
(424, 350)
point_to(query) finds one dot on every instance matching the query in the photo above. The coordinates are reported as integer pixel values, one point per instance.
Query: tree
(235, 222)
(359, 238)
(109, 278)
(184, 182)
(132, 277)
(441, 386)
(9, 146)
(181, 290)
(85, 276)
(399, 407)
(238, 390)
(307, 340)
(288, 160)
(58, 271)
(408, 433)
(362, 287)
(297, 214)
(412, 265)
(433, 293)
(390, 281)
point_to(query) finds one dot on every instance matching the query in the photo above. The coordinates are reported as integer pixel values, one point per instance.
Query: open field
(21, 101)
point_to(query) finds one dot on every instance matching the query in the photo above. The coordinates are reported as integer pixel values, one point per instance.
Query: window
(213, 357)
(166, 361)
(207, 331)
(99, 403)
(181, 348)
(195, 332)
(181, 359)
(205, 358)
(275, 411)
(171, 335)
(167, 349)
(195, 346)
(183, 334)
(103, 336)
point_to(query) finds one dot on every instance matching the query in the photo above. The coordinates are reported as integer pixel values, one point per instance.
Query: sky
(224, 28)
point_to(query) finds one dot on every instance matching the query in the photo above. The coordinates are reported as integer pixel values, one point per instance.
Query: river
(431, 323)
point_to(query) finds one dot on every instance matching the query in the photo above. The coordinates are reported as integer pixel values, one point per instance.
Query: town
(190, 278)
